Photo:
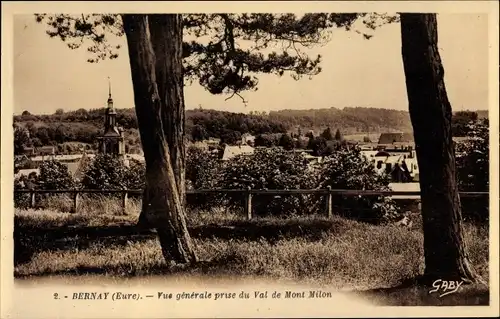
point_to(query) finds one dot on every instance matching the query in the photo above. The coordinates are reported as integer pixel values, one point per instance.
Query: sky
(356, 72)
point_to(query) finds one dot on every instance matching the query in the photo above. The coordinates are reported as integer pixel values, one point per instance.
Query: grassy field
(347, 255)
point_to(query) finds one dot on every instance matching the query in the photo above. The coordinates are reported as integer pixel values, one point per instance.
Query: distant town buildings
(400, 163)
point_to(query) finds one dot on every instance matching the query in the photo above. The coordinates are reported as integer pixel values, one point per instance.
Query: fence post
(248, 203)
(124, 203)
(329, 202)
(32, 199)
(75, 202)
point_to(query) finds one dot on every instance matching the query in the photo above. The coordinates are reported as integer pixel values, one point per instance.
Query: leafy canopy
(473, 169)
(224, 52)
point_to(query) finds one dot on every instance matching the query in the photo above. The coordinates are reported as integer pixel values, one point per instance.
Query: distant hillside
(83, 126)
(349, 120)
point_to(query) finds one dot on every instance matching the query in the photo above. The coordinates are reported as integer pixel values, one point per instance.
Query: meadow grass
(336, 252)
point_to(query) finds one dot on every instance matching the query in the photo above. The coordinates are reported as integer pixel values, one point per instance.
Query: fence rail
(249, 193)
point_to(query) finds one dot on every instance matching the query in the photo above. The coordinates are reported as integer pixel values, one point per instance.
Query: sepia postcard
(199, 159)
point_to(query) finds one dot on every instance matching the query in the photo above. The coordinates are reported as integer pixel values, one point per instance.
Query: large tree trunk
(168, 74)
(158, 100)
(445, 251)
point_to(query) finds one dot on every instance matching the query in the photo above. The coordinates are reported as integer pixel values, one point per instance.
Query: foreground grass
(337, 253)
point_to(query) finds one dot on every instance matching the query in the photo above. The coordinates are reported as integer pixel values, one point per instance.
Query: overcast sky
(356, 72)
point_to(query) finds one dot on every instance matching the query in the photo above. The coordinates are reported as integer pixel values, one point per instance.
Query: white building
(232, 151)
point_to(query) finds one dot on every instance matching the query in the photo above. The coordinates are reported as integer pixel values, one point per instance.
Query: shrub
(21, 139)
(317, 145)
(202, 172)
(349, 170)
(135, 175)
(54, 175)
(271, 169)
(105, 172)
(267, 140)
(472, 161)
(286, 142)
(22, 200)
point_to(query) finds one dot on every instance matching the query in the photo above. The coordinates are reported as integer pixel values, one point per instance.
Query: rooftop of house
(39, 150)
(391, 138)
(73, 167)
(232, 151)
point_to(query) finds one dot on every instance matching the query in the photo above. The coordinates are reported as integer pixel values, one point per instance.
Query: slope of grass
(337, 253)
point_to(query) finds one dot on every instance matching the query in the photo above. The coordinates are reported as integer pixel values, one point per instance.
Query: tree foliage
(278, 169)
(349, 119)
(267, 140)
(105, 172)
(462, 120)
(286, 142)
(230, 137)
(472, 160)
(84, 126)
(327, 134)
(271, 169)
(318, 145)
(202, 172)
(21, 139)
(223, 52)
(54, 175)
(350, 170)
(338, 136)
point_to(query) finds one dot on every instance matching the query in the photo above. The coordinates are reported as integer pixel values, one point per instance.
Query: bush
(105, 172)
(202, 172)
(271, 169)
(349, 170)
(21, 139)
(54, 175)
(135, 175)
(278, 169)
(472, 166)
(22, 200)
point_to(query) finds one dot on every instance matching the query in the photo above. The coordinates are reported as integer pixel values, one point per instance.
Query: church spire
(110, 99)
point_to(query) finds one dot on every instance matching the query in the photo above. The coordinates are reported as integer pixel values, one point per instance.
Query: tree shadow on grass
(29, 240)
(215, 268)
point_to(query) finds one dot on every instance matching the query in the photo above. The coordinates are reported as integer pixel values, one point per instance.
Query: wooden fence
(249, 193)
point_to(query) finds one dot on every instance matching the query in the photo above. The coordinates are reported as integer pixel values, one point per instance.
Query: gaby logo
(445, 287)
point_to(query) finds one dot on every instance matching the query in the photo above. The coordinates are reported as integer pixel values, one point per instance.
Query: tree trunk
(157, 105)
(445, 251)
(163, 30)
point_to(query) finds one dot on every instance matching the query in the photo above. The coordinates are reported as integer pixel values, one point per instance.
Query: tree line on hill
(83, 126)
(323, 144)
(350, 119)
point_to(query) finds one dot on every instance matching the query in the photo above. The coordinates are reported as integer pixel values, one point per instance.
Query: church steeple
(110, 99)
(111, 141)
(110, 120)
